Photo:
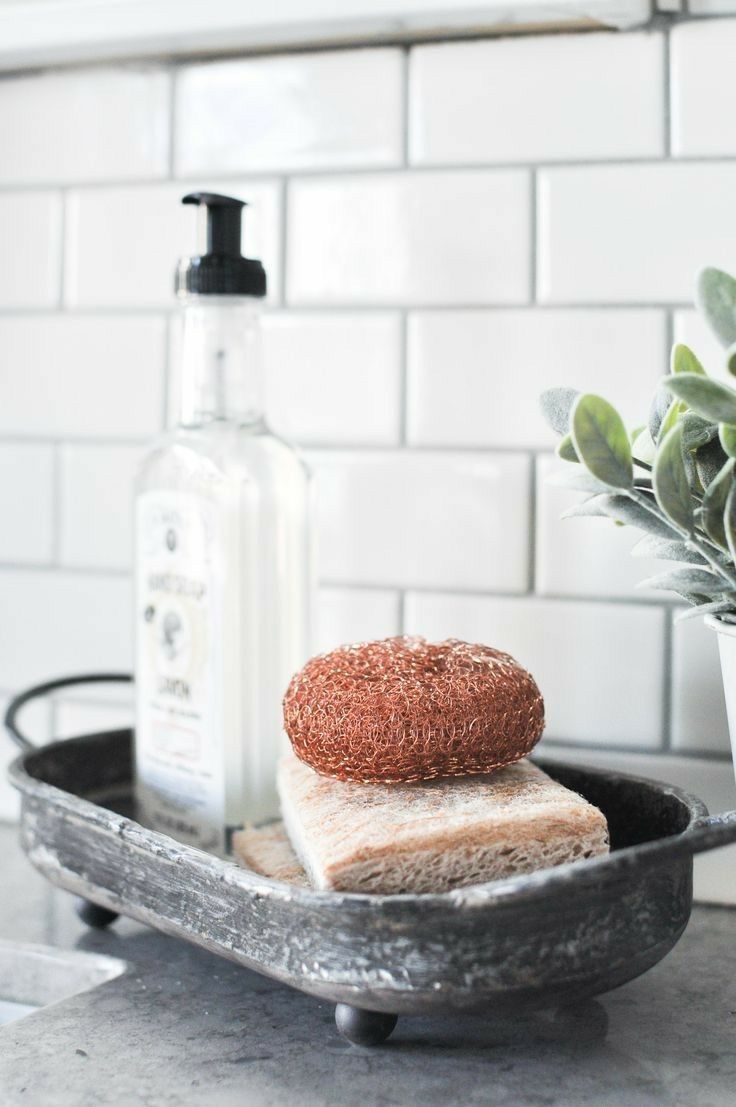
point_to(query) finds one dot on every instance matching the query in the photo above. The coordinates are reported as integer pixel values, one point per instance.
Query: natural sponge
(405, 709)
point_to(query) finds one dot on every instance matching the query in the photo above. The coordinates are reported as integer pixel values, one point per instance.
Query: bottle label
(180, 763)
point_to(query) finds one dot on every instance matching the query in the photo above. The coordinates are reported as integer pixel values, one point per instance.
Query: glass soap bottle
(223, 562)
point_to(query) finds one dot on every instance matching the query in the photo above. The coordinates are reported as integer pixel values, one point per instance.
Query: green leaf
(593, 506)
(709, 460)
(714, 504)
(658, 408)
(683, 360)
(689, 580)
(727, 438)
(601, 441)
(697, 431)
(674, 411)
(556, 405)
(669, 478)
(630, 512)
(566, 450)
(643, 447)
(666, 549)
(716, 298)
(718, 607)
(731, 359)
(710, 399)
(729, 520)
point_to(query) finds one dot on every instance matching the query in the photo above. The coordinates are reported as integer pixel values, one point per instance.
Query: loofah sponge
(404, 709)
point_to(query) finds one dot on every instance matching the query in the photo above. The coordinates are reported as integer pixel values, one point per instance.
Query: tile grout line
(667, 93)
(405, 106)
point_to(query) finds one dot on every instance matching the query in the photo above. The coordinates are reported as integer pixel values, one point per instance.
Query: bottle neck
(219, 356)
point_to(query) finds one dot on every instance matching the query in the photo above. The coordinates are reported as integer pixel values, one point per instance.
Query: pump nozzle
(220, 269)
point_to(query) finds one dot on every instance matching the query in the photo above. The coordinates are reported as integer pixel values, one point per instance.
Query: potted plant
(673, 478)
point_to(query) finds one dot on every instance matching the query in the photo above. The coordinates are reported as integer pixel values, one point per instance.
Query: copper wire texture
(404, 709)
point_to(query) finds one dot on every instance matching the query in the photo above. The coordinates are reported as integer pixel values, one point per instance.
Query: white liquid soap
(224, 564)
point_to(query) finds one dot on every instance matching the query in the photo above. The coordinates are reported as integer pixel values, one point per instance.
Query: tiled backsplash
(448, 229)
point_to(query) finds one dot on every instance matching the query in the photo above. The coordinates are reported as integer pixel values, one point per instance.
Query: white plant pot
(727, 649)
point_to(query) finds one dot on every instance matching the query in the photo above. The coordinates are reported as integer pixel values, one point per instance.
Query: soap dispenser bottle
(223, 562)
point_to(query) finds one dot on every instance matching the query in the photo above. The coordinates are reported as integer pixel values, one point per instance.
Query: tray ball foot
(93, 915)
(364, 1028)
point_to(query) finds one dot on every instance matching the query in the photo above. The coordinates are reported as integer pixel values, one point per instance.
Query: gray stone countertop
(183, 1027)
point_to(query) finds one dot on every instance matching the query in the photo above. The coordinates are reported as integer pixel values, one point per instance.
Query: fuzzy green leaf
(731, 359)
(625, 510)
(566, 450)
(675, 410)
(666, 549)
(709, 460)
(593, 506)
(658, 408)
(556, 405)
(690, 580)
(716, 297)
(710, 399)
(727, 438)
(714, 504)
(718, 607)
(669, 478)
(683, 360)
(697, 431)
(601, 441)
(643, 447)
(729, 520)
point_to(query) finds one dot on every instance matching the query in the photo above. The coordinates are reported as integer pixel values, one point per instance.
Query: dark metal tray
(550, 938)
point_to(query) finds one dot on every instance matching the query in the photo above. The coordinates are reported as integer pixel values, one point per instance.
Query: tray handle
(46, 689)
(710, 832)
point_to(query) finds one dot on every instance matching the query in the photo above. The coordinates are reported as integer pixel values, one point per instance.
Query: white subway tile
(699, 722)
(585, 556)
(426, 238)
(692, 329)
(447, 520)
(35, 722)
(58, 623)
(123, 244)
(632, 233)
(701, 58)
(356, 615)
(26, 503)
(334, 378)
(296, 111)
(599, 666)
(571, 97)
(72, 718)
(711, 781)
(97, 505)
(475, 377)
(30, 232)
(85, 125)
(68, 375)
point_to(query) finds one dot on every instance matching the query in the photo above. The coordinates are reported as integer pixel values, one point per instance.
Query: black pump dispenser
(220, 270)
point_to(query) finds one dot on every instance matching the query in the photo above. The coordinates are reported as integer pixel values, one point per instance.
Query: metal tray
(550, 938)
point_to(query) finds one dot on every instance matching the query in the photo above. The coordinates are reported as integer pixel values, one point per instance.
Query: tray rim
(561, 878)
